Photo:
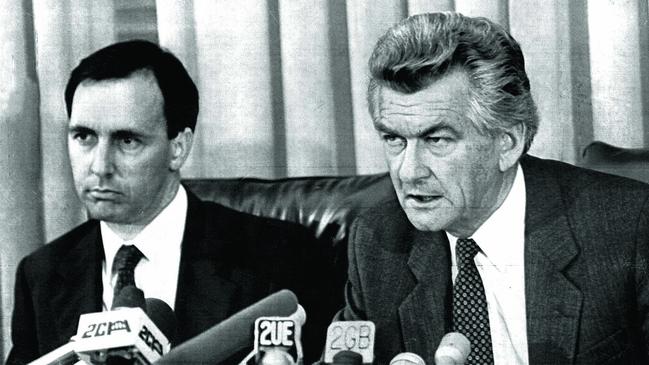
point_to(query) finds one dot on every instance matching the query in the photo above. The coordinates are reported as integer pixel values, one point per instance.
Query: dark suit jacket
(586, 272)
(229, 260)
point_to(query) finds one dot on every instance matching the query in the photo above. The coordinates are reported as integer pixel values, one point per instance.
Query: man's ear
(181, 145)
(511, 144)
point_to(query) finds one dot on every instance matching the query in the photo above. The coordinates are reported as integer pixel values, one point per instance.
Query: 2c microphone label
(105, 328)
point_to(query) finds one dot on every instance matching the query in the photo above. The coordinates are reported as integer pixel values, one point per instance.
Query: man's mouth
(421, 198)
(102, 193)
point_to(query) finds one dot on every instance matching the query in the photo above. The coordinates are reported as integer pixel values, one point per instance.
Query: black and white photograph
(292, 182)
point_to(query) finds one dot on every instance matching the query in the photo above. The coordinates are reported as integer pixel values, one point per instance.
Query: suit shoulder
(49, 254)
(592, 200)
(578, 182)
(380, 212)
(64, 243)
(383, 225)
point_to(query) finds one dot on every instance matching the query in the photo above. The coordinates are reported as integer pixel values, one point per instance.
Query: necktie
(470, 315)
(126, 259)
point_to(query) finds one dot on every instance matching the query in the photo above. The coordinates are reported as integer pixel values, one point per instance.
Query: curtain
(282, 86)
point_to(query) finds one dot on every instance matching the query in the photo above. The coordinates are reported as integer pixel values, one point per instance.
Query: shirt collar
(501, 237)
(169, 223)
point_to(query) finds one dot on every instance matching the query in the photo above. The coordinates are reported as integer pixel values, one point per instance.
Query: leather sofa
(628, 162)
(328, 205)
(325, 205)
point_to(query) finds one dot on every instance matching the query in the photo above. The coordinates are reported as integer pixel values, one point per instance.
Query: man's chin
(106, 215)
(425, 221)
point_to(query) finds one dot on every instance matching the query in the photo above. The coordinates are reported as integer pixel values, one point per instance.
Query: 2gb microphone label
(356, 336)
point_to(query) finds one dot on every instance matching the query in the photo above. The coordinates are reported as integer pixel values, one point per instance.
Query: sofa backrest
(325, 205)
(328, 205)
(628, 162)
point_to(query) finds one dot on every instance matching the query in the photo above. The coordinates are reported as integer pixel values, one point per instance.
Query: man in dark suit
(133, 109)
(534, 261)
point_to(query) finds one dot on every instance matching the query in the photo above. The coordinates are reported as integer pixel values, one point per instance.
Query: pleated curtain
(282, 86)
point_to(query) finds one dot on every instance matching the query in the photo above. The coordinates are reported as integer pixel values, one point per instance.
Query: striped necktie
(126, 259)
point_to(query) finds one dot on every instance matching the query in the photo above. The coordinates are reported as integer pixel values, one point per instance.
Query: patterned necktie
(470, 315)
(126, 259)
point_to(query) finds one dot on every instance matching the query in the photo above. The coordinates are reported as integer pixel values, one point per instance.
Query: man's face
(119, 149)
(445, 172)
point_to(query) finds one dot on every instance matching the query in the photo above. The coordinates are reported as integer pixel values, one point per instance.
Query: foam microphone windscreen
(348, 358)
(453, 349)
(163, 316)
(129, 297)
(232, 335)
(407, 358)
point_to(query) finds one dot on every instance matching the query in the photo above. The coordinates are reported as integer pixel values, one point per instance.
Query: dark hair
(120, 60)
(422, 48)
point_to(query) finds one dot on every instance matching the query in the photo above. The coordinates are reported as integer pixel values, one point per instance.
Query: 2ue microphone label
(271, 331)
(278, 333)
(356, 336)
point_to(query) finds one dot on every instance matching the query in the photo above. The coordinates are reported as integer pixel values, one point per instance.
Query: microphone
(128, 297)
(275, 356)
(63, 355)
(352, 336)
(454, 349)
(232, 335)
(347, 357)
(164, 317)
(278, 340)
(126, 334)
(408, 358)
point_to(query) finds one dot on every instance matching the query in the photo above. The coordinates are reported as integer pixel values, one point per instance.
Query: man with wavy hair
(534, 261)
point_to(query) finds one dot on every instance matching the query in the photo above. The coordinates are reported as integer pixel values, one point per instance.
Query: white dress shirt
(157, 272)
(501, 264)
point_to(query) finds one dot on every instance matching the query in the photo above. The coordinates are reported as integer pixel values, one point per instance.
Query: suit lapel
(79, 290)
(425, 313)
(553, 303)
(204, 297)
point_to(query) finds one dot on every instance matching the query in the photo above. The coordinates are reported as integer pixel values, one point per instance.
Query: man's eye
(392, 140)
(438, 140)
(129, 143)
(80, 136)
(83, 138)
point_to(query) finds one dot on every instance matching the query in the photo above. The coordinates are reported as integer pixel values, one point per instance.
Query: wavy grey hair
(422, 48)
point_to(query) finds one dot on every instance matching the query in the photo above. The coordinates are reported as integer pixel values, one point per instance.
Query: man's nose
(103, 159)
(413, 167)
